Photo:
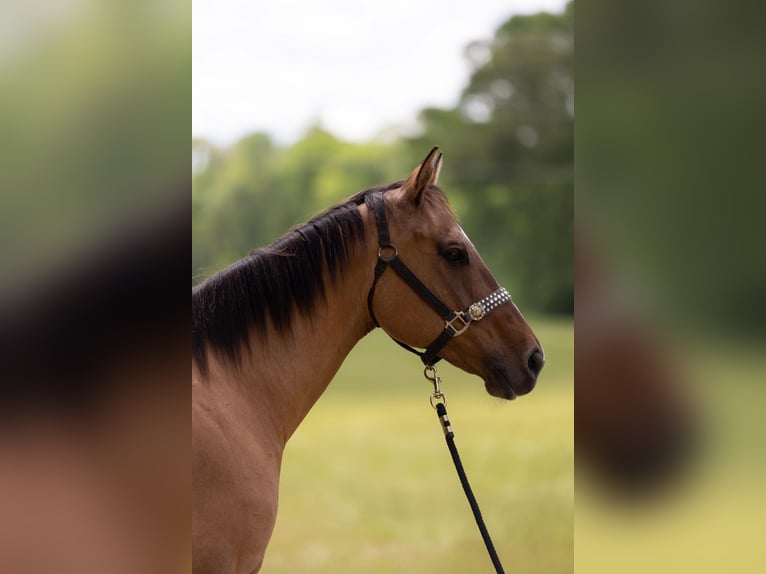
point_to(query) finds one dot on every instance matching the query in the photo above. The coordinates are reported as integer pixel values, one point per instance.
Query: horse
(270, 331)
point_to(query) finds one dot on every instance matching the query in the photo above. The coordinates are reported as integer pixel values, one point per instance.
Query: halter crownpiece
(455, 322)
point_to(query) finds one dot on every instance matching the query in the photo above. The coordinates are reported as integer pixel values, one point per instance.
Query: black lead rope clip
(439, 402)
(438, 399)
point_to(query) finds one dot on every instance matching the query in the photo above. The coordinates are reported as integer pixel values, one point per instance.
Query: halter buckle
(455, 330)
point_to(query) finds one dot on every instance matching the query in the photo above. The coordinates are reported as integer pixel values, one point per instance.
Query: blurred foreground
(669, 211)
(94, 234)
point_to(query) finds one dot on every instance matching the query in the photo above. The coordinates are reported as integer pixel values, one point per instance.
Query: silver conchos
(483, 307)
(477, 311)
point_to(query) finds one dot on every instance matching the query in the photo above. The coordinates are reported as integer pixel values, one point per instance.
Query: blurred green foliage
(246, 196)
(91, 119)
(508, 168)
(669, 156)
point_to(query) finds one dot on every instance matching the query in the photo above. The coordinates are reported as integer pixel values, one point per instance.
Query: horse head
(425, 235)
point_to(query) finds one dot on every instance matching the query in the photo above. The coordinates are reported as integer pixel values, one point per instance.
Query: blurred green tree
(233, 201)
(509, 147)
(248, 195)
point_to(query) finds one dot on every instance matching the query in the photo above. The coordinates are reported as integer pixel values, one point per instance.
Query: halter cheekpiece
(455, 322)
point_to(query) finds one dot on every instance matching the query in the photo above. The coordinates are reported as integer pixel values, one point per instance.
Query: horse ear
(424, 175)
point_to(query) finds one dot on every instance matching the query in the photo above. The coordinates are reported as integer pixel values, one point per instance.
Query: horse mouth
(501, 392)
(501, 384)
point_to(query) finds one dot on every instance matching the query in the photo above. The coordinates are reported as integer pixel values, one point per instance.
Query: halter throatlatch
(455, 322)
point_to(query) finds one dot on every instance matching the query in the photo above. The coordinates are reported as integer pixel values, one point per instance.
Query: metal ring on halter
(389, 246)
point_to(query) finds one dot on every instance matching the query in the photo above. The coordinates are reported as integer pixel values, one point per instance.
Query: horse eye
(455, 255)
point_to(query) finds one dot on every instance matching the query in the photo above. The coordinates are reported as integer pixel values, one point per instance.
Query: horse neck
(287, 372)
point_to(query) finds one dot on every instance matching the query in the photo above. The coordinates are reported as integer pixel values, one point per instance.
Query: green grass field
(368, 485)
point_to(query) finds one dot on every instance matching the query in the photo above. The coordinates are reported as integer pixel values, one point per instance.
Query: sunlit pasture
(368, 486)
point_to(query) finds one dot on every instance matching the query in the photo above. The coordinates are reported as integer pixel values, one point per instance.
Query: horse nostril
(535, 361)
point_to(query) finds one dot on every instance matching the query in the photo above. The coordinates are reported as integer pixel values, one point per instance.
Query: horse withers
(270, 332)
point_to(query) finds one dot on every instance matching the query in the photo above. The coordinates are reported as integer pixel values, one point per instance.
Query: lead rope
(439, 402)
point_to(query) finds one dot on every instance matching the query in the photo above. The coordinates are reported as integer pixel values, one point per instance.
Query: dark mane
(276, 281)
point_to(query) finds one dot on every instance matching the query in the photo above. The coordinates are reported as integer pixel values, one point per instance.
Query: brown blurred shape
(94, 431)
(634, 425)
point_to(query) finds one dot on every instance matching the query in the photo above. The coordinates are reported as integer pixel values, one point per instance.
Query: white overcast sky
(355, 66)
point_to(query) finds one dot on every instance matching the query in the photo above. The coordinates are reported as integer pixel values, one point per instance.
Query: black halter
(455, 322)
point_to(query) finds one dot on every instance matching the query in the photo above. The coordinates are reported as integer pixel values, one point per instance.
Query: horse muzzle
(505, 380)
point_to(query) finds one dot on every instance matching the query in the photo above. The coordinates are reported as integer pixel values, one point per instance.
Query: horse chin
(501, 383)
(501, 392)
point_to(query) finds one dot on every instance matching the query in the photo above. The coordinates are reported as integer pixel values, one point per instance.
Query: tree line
(508, 169)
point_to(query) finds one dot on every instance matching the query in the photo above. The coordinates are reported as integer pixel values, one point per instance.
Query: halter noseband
(455, 322)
